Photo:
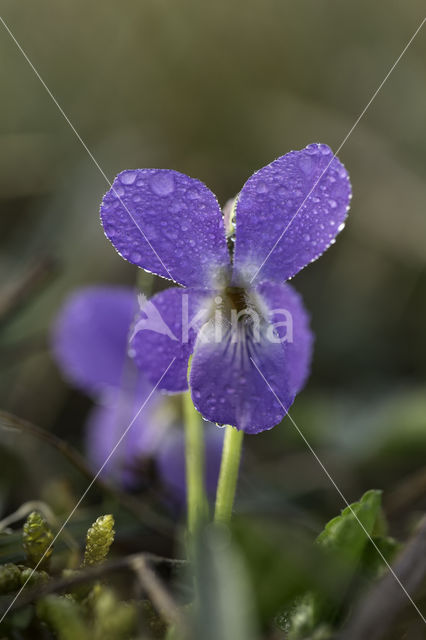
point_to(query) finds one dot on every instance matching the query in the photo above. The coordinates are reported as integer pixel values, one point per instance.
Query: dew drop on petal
(325, 151)
(135, 256)
(162, 184)
(262, 187)
(118, 190)
(193, 194)
(128, 177)
(110, 230)
(305, 163)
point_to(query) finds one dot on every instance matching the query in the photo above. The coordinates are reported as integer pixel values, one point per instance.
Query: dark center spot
(236, 298)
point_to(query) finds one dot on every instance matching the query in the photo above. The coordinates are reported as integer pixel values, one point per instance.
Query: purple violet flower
(247, 330)
(89, 341)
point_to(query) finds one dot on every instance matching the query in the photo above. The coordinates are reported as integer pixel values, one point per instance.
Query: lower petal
(290, 320)
(241, 379)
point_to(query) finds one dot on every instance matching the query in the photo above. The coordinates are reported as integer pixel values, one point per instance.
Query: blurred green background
(217, 90)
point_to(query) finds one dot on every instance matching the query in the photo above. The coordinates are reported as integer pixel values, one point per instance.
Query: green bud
(64, 616)
(33, 577)
(98, 541)
(10, 578)
(114, 620)
(36, 539)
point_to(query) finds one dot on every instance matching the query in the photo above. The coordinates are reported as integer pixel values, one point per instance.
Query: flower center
(235, 298)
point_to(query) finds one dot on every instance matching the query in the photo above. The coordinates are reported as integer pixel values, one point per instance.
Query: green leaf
(372, 562)
(347, 535)
(225, 606)
(346, 542)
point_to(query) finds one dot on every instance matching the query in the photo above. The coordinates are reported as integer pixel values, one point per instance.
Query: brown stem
(136, 562)
(160, 597)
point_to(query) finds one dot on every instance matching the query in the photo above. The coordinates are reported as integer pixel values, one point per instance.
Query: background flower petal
(90, 335)
(160, 335)
(274, 239)
(171, 460)
(167, 223)
(107, 423)
(226, 386)
(286, 306)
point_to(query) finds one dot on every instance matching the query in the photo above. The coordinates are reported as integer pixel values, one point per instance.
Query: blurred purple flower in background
(286, 215)
(89, 341)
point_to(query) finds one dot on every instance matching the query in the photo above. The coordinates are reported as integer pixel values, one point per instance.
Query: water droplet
(261, 187)
(175, 207)
(332, 203)
(128, 177)
(325, 151)
(137, 198)
(171, 233)
(305, 163)
(135, 256)
(341, 226)
(118, 190)
(162, 183)
(193, 194)
(307, 237)
(110, 230)
(312, 149)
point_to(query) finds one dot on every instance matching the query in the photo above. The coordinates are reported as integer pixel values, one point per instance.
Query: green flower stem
(194, 454)
(231, 455)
